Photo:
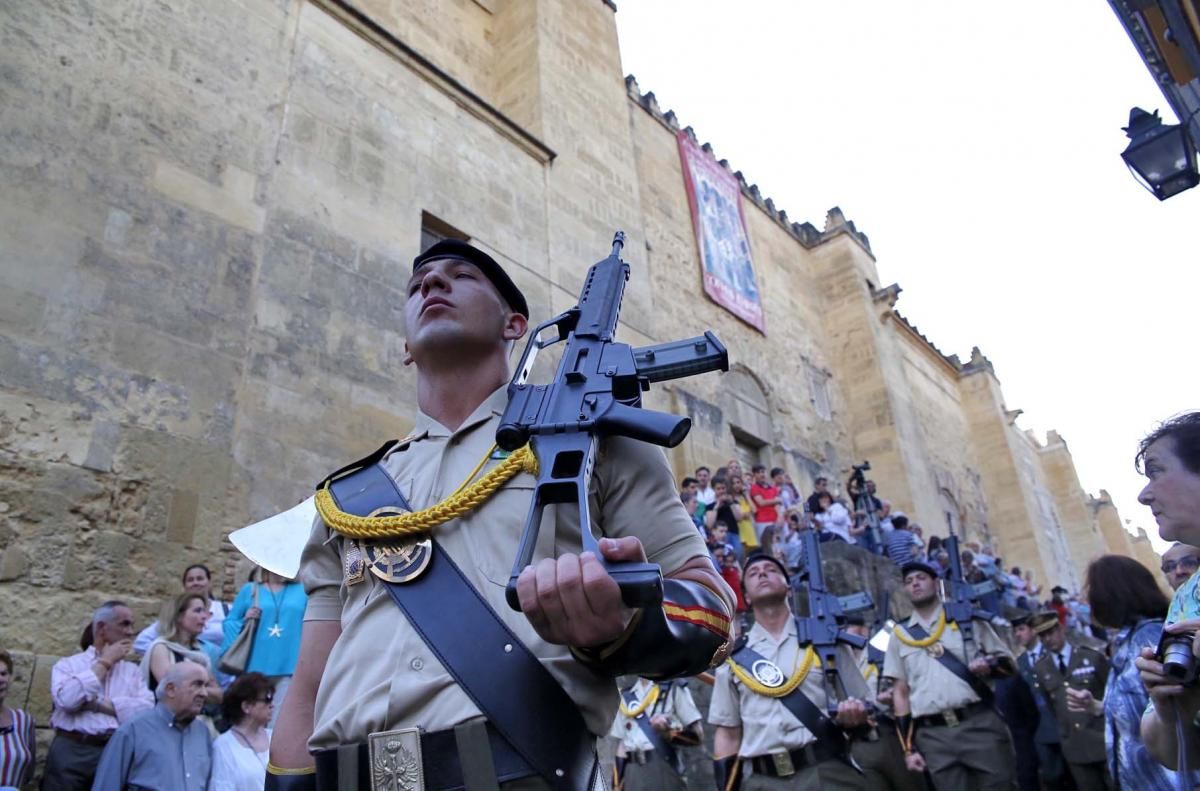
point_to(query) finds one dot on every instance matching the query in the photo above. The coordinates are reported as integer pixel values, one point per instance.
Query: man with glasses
(1178, 563)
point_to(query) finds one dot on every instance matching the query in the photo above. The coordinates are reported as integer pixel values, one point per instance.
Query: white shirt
(235, 766)
(1065, 653)
(708, 495)
(836, 520)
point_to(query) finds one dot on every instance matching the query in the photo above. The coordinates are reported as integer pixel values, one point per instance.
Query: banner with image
(716, 200)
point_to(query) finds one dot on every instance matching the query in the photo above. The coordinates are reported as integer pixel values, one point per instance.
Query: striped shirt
(902, 546)
(73, 686)
(18, 747)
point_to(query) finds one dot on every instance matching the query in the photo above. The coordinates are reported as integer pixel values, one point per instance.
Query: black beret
(918, 565)
(754, 557)
(461, 251)
(1022, 620)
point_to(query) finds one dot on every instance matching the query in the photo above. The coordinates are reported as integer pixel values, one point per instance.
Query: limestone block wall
(1080, 529)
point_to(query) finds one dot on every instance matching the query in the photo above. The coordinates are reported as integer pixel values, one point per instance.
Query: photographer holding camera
(1170, 458)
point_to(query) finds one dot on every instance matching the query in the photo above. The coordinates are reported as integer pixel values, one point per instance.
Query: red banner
(716, 200)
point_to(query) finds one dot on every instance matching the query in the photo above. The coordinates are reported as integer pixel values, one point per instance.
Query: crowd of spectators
(171, 707)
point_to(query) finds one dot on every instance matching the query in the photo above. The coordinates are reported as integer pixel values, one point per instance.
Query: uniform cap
(918, 565)
(459, 250)
(754, 557)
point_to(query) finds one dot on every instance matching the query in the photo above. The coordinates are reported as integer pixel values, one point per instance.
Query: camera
(861, 468)
(1178, 661)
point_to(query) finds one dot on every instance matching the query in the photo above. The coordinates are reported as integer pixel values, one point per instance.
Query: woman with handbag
(270, 610)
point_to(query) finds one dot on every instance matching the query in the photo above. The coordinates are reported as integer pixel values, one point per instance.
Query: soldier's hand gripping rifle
(823, 626)
(596, 392)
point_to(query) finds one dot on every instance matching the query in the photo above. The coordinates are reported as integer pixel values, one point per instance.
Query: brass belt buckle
(951, 718)
(783, 764)
(396, 760)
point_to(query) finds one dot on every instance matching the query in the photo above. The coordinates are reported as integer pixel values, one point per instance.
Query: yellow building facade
(202, 276)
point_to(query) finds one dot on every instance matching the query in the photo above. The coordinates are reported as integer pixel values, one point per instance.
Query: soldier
(414, 672)
(1052, 769)
(943, 703)
(1073, 676)
(879, 754)
(655, 718)
(770, 705)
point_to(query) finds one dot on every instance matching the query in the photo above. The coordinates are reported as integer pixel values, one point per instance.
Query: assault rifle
(822, 627)
(596, 392)
(960, 597)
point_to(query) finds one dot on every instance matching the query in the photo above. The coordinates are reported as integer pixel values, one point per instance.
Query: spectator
(691, 504)
(902, 544)
(791, 543)
(885, 517)
(240, 754)
(919, 547)
(715, 538)
(704, 491)
(733, 469)
(942, 563)
(766, 504)
(935, 545)
(725, 511)
(1031, 589)
(1170, 459)
(788, 496)
(1058, 605)
(834, 520)
(18, 743)
(197, 579)
(180, 624)
(165, 747)
(745, 531)
(93, 692)
(280, 612)
(1124, 596)
(731, 572)
(689, 485)
(1018, 589)
(820, 487)
(1178, 563)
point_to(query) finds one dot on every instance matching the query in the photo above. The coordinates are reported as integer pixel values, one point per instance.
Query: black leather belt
(785, 764)
(90, 739)
(439, 758)
(952, 717)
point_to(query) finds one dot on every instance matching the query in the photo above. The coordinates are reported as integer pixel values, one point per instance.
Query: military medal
(767, 673)
(401, 561)
(936, 650)
(353, 565)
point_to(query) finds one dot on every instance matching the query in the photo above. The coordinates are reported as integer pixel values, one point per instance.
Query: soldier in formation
(655, 720)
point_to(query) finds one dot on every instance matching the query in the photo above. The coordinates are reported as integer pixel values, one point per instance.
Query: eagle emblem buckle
(396, 760)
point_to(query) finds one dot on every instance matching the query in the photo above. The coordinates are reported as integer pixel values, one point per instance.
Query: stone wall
(212, 206)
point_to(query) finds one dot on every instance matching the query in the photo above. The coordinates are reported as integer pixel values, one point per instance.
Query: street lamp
(1160, 156)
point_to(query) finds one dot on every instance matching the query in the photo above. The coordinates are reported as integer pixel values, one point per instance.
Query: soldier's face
(1054, 639)
(452, 308)
(765, 582)
(1173, 493)
(921, 587)
(1025, 635)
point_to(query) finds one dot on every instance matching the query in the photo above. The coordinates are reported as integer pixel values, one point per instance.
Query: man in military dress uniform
(1052, 769)
(770, 705)
(395, 686)
(941, 697)
(654, 721)
(1073, 677)
(880, 755)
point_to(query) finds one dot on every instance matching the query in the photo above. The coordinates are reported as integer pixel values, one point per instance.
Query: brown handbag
(237, 656)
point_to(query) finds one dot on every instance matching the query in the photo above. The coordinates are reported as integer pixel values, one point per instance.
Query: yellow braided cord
(870, 672)
(776, 692)
(904, 637)
(464, 500)
(646, 703)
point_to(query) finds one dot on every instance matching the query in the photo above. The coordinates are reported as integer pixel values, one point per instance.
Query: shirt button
(417, 663)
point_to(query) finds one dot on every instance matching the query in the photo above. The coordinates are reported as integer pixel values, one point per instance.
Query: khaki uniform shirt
(676, 705)
(380, 674)
(767, 725)
(932, 686)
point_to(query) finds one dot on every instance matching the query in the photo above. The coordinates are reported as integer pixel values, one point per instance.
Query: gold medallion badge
(399, 559)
